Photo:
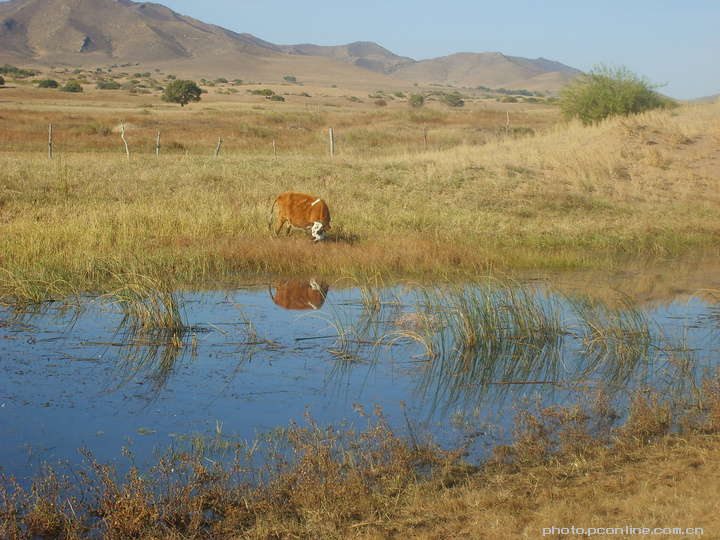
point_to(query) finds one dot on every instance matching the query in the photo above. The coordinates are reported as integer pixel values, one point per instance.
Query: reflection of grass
(462, 340)
(481, 334)
(150, 306)
(154, 334)
(152, 328)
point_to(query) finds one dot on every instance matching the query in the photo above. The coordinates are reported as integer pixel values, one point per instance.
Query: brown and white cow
(299, 294)
(301, 211)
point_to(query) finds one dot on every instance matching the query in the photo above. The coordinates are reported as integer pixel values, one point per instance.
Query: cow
(299, 294)
(301, 211)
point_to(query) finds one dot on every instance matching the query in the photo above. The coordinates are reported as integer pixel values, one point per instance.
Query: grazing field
(480, 197)
(433, 194)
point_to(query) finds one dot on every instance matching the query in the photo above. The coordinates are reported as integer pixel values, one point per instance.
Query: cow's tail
(270, 219)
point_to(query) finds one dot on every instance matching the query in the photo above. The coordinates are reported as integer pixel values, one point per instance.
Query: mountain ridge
(84, 33)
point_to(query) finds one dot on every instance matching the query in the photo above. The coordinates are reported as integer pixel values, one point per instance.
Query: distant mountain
(93, 33)
(492, 70)
(364, 54)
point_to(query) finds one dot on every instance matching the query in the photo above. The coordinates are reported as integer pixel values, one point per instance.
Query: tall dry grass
(568, 196)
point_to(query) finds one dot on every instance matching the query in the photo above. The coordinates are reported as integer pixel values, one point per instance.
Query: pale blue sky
(676, 43)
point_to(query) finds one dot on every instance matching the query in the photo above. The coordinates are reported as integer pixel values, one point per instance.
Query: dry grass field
(477, 195)
(413, 192)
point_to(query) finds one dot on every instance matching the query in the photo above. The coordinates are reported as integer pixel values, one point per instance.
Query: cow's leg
(280, 222)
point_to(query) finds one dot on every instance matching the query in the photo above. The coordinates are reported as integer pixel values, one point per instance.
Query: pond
(156, 371)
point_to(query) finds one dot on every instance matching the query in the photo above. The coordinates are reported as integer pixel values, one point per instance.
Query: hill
(95, 33)
(492, 70)
(364, 54)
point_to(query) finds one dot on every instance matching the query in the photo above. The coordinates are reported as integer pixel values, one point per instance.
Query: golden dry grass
(546, 196)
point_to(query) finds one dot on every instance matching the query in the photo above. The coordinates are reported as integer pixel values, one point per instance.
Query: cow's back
(302, 209)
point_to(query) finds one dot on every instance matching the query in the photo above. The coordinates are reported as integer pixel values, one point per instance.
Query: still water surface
(250, 360)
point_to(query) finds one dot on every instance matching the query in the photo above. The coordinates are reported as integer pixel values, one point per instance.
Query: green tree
(605, 91)
(182, 92)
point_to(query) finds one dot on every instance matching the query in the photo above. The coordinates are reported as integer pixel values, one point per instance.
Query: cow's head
(318, 231)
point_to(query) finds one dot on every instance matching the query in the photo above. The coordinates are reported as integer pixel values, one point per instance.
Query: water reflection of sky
(78, 376)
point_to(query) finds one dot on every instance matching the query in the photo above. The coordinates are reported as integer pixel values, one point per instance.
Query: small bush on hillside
(48, 83)
(108, 85)
(605, 92)
(416, 101)
(17, 73)
(72, 86)
(454, 100)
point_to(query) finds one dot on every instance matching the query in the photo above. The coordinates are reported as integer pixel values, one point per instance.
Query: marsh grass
(149, 306)
(465, 344)
(617, 336)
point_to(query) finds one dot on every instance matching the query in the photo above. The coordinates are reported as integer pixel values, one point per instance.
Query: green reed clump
(491, 321)
(619, 336)
(149, 305)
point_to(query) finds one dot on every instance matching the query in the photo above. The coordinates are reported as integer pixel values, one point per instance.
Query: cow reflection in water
(299, 294)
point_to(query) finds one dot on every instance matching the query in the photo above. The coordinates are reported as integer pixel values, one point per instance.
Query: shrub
(108, 85)
(381, 103)
(72, 86)
(18, 73)
(605, 92)
(2, 80)
(416, 101)
(453, 100)
(48, 83)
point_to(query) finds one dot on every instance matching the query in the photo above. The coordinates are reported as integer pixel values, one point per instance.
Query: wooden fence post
(217, 150)
(50, 143)
(157, 148)
(127, 148)
(332, 142)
